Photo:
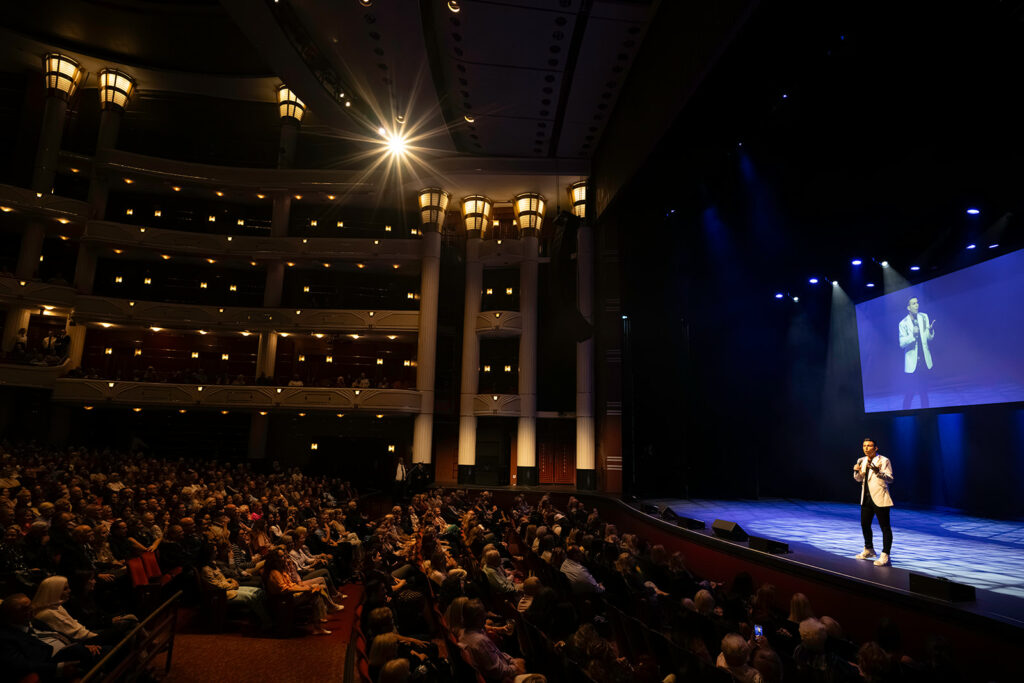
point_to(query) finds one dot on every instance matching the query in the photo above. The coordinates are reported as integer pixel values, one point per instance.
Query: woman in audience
(48, 606)
(277, 582)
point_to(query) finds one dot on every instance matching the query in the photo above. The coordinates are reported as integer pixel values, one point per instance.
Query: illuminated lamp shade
(578, 198)
(289, 104)
(433, 205)
(116, 88)
(63, 75)
(529, 208)
(476, 212)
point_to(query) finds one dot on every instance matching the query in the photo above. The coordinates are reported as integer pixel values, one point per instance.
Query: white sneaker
(883, 561)
(865, 554)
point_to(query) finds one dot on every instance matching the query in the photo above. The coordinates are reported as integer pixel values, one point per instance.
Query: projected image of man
(916, 332)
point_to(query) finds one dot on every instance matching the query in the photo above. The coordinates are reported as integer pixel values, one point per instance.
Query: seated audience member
(248, 598)
(395, 671)
(493, 664)
(84, 606)
(813, 662)
(27, 650)
(580, 579)
(277, 581)
(734, 659)
(497, 578)
(531, 587)
(48, 607)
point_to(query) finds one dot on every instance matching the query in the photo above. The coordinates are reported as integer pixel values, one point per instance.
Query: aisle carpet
(232, 657)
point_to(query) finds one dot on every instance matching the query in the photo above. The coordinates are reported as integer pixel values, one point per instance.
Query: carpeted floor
(230, 657)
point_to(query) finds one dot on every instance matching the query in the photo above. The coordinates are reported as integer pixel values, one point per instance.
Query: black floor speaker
(731, 531)
(943, 589)
(767, 545)
(669, 515)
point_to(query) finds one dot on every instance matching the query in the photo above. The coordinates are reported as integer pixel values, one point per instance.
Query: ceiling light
(813, 280)
(476, 212)
(6, 209)
(885, 264)
(778, 296)
(156, 329)
(871, 284)
(396, 144)
(74, 170)
(972, 246)
(176, 188)
(915, 268)
(165, 257)
(219, 193)
(63, 221)
(453, 5)
(392, 337)
(202, 331)
(330, 197)
(469, 118)
(128, 181)
(260, 196)
(856, 262)
(973, 212)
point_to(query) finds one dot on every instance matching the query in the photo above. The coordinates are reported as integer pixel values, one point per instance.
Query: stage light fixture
(835, 283)
(973, 212)
(993, 246)
(915, 268)
(796, 299)
(856, 262)
(813, 280)
(885, 264)
(777, 296)
(972, 246)
(871, 284)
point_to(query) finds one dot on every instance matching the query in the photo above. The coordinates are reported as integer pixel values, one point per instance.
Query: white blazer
(909, 343)
(878, 484)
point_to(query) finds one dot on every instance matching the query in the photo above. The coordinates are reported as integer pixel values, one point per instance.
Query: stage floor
(987, 554)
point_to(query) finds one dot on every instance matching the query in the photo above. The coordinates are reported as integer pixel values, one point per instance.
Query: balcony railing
(32, 376)
(503, 405)
(499, 324)
(140, 394)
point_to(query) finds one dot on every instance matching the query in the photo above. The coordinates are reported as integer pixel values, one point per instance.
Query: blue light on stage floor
(915, 268)
(973, 212)
(972, 246)
(856, 262)
(813, 280)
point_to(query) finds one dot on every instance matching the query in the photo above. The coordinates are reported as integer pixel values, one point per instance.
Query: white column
(470, 355)
(426, 345)
(266, 354)
(48, 150)
(586, 475)
(526, 441)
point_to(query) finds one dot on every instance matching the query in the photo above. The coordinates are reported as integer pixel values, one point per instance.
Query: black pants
(868, 510)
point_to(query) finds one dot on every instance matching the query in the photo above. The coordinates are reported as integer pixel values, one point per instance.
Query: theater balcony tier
(34, 377)
(48, 207)
(264, 248)
(493, 324)
(146, 313)
(138, 394)
(501, 405)
(147, 170)
(32, 293)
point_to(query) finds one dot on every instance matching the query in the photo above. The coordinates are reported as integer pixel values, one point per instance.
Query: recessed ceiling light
(469, 118)
(453, 5)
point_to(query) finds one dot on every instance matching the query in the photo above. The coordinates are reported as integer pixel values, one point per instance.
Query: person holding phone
(874, 473)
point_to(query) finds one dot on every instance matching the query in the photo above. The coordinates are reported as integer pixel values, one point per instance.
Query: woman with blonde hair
(800, 608)
(48, 606)
(454, 616)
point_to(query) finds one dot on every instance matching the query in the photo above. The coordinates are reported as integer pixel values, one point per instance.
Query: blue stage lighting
(885, 264)
(796, 298)
(973, 212)
(779, 295)
(993, 246)
(915, 268)
(813, 280)
(871, 284)
(625, 317)
(835, 283)
(972, 246)
(856, 262)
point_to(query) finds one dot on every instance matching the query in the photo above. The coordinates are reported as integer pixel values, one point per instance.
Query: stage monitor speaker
(941, 588)
(767, 545)
(730, 531)
(670, 515)
(648, 509)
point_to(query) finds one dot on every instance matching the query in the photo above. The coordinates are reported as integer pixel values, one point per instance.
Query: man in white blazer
(874, 473)
(916, 331)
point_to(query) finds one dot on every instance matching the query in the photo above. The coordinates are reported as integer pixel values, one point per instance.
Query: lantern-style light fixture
(476, 212)
(433, 205)
(529, 208)
(116, 88)
(290, 104)
(578, 198)
(63, 75)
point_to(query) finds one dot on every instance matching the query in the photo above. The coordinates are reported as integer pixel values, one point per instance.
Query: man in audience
(26, 650)
(580, 579)
(493, 664)
(734, 659)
